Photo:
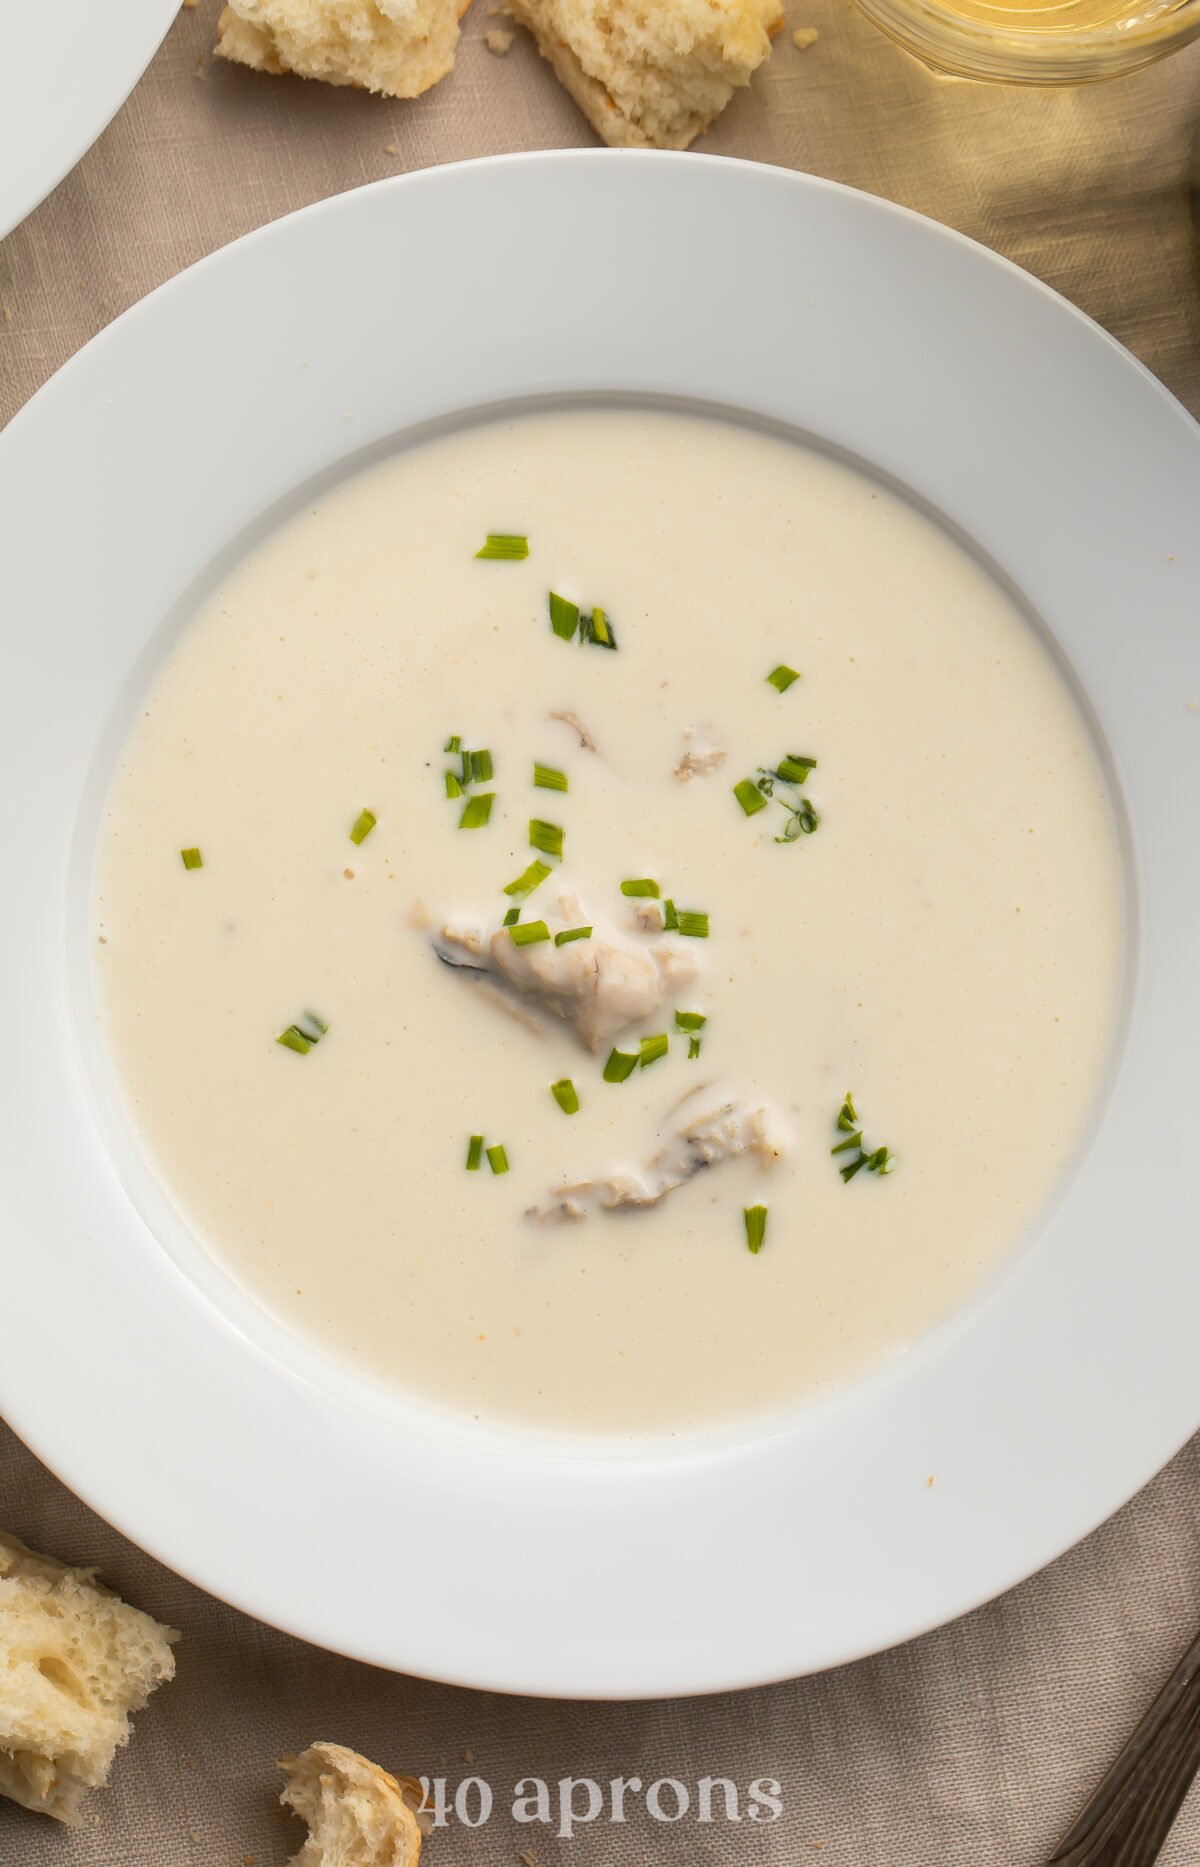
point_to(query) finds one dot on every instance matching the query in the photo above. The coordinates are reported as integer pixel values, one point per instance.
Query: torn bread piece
(357, 1815)
(396, 47)
(75, 1661)
(651, 74)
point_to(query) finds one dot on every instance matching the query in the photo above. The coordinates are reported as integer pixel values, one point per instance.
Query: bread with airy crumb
(651, 74)
(397, 47)
(357, 1814)
(75, 1661)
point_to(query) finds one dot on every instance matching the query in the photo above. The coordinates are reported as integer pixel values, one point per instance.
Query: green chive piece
(756, 1227)
(597, 629)
(548, 779)
(474, 1153)
(650, 1049)
(690, 1020)
(693, 1048)
(847, 1118)
(849, 1172)
(525, 884)
(506, 545)
(453, 785)
(364, 823)
(566, 1095)
(621, 1064)
(693, 924)
(476, 811)
(855, 1140)
(529, 933)
(782, 677)
(572, 933)
(547, 837)
(670, 918)
(453, 744)
(467, 766)
(511, 918)
(564, 617)
(497, 1159)
(795, 768)
(481, 767)
(880, 1161)
(192, 859)
(749, 796)
(301, 1036)
(641, 886)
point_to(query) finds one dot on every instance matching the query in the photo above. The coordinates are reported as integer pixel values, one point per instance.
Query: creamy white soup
(624, 986)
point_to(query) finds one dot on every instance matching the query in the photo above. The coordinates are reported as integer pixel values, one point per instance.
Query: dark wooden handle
(1128, 1818)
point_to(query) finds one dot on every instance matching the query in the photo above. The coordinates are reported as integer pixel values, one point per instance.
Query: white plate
(374, 1525)
(67, 69)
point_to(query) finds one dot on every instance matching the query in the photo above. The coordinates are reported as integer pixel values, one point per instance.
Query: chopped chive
(880, 1161)
(849, 1172)
(694, 925)
(364, 823)
(801, 822)
(497, 1159)
(782, 677)
(547, 837)
(855, 1140)
(511, 918)
(572, 933)
(477, 810)
(564, 617)
(650, 1049)
(670, 918)
(877, 1160)
(756, 1227)
(467, 767)
(474, 1153)
(598, 629)
(192, 859)
(548, 779)
(795, 768)
(509, 545)
(749, 796)
(301, 1036)
(693, 1049)
(641, 886)
(453, 744)
(621, 1064)
(481, 767)
(847, 1118)
(453, 785)
(294, 1039)
(566, 1095)
(690, 1020)
(525, 883)
(529, 933)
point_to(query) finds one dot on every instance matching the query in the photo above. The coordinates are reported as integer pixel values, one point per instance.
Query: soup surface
(914, 895)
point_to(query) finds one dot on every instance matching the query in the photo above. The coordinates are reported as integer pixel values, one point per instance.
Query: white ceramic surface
(66, 71)
(174, 1406)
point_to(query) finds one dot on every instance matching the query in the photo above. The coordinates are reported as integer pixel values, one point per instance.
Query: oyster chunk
(727, 1132)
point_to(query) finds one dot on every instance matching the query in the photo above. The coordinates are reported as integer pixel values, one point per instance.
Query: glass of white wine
(1037, 41)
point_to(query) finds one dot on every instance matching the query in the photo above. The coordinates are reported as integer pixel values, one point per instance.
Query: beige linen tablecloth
(973, 1746)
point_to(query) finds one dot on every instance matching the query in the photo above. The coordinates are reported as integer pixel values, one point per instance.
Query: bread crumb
(499, 40)
(194, 1835)
(8, 316)
(468, 1756)
(804, 36)
(349, 874)
(931, 1483)
(528, 1858)
(189, 4)
(248, 1860)
(391, 149)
